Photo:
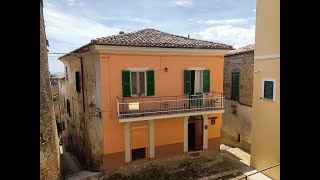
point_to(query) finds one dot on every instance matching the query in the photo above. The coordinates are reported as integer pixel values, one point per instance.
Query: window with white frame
(268, 88)
(138, 83)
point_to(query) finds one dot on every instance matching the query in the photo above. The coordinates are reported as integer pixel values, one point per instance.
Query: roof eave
(159, 50)
(243, 52)
(76, 51)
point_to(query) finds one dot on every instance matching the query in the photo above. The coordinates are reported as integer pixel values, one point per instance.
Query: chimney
(188, 36)
(121, 32)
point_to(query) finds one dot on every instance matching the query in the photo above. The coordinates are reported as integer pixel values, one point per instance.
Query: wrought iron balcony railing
(154, 106)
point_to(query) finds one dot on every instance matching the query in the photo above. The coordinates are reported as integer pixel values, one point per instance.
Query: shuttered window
(126, 88)
(78, 85)
(187, 81)
(68, 107)
(206, 81)
(268, 87)
(150, 83)
(197, 80)
(235, 81)
(137, 83)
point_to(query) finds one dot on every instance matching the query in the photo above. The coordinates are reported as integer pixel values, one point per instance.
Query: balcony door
(196, 82)
(196, 88)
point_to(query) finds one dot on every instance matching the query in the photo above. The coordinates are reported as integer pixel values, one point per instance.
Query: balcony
(148, 108)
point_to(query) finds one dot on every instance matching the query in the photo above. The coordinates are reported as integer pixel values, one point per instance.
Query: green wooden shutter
(187, 81)
(268, 89)
(150, 83)
(235, 86)
(206, 81)
(126, 91)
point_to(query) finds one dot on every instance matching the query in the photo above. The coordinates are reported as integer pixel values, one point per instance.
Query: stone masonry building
(238, 88)
(49, 148)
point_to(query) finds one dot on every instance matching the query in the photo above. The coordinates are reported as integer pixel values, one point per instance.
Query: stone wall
(49, 148)
(83, 135)
(242, 63)
(237, 116)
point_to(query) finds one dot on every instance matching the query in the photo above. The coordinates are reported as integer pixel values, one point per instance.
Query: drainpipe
(82, 87)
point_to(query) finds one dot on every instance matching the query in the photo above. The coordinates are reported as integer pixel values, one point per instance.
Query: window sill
(138, 95)
(272, 100)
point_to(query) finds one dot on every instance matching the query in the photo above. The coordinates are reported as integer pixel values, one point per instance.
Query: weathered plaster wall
(83, 134)
(49, 148)
(93, 128)
(236, 120)
(237, 116)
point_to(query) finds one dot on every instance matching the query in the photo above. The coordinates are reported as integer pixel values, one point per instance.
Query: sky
(73, 23)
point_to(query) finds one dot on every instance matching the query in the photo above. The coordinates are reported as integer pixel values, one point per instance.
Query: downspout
(82, 88)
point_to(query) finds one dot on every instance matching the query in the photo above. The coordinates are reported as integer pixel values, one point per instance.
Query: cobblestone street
(230, 163)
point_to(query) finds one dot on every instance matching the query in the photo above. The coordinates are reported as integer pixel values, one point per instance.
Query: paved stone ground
(243, 156)
(69, 164)
(72, 170)
(228, 164)
(231, 163)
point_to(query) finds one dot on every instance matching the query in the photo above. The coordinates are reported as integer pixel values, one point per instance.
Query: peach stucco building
(143, 95)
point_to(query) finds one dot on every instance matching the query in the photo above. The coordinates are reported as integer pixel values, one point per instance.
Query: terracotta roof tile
(155, 38)
(249, 48)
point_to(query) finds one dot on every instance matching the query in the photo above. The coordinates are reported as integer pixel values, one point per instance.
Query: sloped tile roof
(245, 49)
(155, 38)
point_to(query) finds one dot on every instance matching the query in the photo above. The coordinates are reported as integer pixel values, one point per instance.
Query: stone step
(84, 175)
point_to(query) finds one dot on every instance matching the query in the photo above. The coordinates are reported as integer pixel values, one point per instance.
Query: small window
(268, 89)
(78, 85)
(238, 138)
(138, 83)
(138, 154)
(235, 86)
(68, 107)
(66, 73)
(213, 120)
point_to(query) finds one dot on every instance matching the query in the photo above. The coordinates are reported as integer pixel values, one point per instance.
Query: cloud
(222, 22)
(143, 20)
(183, 3)
(67, 32)
(74, 30)
(228, 34)
(75, 2)
(254, 10)
(127, 19)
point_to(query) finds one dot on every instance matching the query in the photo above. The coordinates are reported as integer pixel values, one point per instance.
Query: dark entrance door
(191, 136)
(195, 133)
(198, 135)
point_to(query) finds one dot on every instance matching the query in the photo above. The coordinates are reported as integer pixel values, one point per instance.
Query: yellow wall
(265, 132)
(267, 27)
(167, 131)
